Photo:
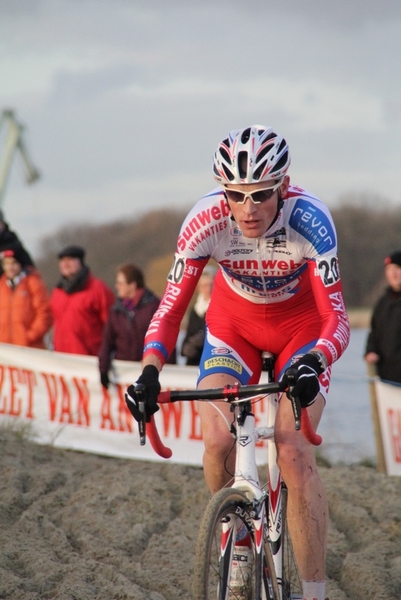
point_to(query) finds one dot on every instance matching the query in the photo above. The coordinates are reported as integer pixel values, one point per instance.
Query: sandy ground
(84, 527)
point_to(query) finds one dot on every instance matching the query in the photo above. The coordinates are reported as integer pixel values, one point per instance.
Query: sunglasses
(257, 196)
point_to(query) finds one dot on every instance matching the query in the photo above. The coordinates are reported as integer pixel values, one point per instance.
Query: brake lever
(295, 401)
(139, 394)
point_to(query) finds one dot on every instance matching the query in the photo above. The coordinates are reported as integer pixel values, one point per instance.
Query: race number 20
(329, 271)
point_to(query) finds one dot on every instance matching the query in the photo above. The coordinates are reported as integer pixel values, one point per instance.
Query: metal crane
(13, 143)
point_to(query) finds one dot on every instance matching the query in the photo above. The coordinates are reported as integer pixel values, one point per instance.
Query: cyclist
(278, 289)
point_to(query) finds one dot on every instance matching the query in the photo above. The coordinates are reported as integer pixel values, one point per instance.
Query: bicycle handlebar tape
(306, 427)
(156, 442)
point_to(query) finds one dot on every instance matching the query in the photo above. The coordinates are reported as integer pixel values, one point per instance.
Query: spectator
(80, 303)
(10, 241)
(383, 346)
(192, 344)
(25, 315)
(128, 320)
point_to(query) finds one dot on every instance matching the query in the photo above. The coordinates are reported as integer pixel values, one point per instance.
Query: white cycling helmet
(251, 155)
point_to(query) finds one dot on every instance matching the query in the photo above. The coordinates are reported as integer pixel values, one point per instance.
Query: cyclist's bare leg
(219, 455)
(307, 504)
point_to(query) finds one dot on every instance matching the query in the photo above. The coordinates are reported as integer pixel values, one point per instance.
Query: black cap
(72, 252)
(394, 258)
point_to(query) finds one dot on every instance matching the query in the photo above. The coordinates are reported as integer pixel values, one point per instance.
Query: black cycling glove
(150, 379)
(306, 380)
(104, 379)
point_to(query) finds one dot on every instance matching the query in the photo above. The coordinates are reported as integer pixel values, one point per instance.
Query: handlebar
(229, 393)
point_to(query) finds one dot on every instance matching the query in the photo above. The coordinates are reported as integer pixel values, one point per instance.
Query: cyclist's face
(255, 219)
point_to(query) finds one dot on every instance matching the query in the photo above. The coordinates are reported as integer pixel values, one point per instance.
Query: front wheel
(292, 583)
(214, 578)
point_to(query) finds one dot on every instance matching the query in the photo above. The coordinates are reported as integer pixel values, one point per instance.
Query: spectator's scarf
(76, 283)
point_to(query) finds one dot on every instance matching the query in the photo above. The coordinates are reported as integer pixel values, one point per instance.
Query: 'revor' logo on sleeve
(314, 225)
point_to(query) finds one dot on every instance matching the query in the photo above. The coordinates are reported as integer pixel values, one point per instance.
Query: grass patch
(20, 429)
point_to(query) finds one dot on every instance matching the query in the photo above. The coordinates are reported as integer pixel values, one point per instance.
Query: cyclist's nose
(249, 207)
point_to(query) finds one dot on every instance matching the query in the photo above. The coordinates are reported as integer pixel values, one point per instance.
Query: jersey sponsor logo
(330, 346)
(328, 270)
(238, 251)
(205, 221)
(223, 361)
(167, 302)
(277, 239)
(314, 225)
(221, 350)
(342, 332)
(236, 231)
(255, 266)
(156, 346)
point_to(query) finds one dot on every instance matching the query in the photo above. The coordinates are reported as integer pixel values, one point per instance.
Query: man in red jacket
(80, 304)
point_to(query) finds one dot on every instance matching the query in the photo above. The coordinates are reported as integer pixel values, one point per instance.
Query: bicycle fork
(275, 516)
(247, 481)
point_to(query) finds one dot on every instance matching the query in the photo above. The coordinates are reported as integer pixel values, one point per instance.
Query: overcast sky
(124, 101)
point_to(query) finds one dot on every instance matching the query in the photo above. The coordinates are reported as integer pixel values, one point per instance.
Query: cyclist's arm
(327, 290)
(163, 330)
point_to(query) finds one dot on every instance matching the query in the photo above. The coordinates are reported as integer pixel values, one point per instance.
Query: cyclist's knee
(297, 463)
(217, 440)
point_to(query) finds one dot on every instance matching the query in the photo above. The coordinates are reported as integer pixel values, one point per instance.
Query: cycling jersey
(290, 272)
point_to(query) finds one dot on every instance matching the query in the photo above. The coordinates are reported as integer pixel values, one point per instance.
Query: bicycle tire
(292, 582)
(212, 570)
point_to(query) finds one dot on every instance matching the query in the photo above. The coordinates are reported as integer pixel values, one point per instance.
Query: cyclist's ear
(284, 187)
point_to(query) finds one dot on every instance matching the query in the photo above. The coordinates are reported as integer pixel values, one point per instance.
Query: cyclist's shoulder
(298, 196)
(205, 224)
(212, 201)
(300, 207)
(310, 220)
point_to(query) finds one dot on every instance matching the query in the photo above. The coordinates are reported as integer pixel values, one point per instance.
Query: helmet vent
(264, 151)
(242, 164)
(282, 145)
(246, 134)
(228, 173)
(271, 136)
(215, 171)
(281, 162)
(258, 172)
(225, 155)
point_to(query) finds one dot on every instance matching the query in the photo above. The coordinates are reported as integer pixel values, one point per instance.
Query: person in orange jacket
(25, 315)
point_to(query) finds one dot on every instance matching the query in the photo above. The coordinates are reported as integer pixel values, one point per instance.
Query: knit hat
(16, 253)
(72, 252)
(394, 258)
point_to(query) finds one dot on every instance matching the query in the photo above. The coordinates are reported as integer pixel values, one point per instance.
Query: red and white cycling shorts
(238, 331)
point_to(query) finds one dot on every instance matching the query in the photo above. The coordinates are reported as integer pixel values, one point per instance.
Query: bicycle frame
(246, 477)
(274, 481)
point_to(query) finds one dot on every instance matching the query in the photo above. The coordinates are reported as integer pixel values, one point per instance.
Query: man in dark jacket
(383, 347)
(128, 321)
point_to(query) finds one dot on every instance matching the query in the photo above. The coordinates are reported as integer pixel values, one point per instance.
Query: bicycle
(272, 573)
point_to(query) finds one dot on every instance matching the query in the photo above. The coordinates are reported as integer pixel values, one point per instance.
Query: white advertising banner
(389, 407)
(60, 396)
